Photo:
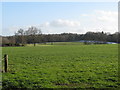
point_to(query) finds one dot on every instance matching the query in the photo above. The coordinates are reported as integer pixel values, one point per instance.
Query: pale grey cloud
(46, 24)
(102, 20)
(107, 16)
(84, 15)
(64, 23)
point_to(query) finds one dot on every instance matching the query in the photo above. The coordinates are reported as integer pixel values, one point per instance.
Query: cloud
(13, 28)
(60, 26)
(104, 20)
(100, 20)
(103, 16)
(108, 20)
(84, 15)
(46, 24)
(107, 16)
(64, 23)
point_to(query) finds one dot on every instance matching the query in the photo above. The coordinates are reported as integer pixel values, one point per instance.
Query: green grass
(62, 66)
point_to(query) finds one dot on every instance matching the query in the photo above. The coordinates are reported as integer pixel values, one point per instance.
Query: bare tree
(33, 32)
(21, 35)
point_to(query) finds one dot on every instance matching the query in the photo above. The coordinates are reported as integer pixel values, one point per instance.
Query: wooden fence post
(6, 62)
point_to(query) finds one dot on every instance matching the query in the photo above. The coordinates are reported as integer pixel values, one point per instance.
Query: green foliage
(62, 66)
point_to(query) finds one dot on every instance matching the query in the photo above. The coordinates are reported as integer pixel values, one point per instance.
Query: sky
(60, 17)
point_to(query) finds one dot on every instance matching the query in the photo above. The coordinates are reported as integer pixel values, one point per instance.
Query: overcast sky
(60, 17)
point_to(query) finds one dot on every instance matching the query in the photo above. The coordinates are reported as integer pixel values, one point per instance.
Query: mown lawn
(62, 66)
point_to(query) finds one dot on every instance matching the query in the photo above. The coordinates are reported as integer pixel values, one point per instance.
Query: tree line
(34, 35)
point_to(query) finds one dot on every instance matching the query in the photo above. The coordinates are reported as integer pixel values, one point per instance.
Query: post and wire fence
(6, 63)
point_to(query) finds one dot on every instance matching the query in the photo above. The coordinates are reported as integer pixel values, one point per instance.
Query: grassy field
(62, 66)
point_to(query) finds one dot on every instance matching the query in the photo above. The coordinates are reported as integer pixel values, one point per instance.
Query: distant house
(96, 42)
(111, 43)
